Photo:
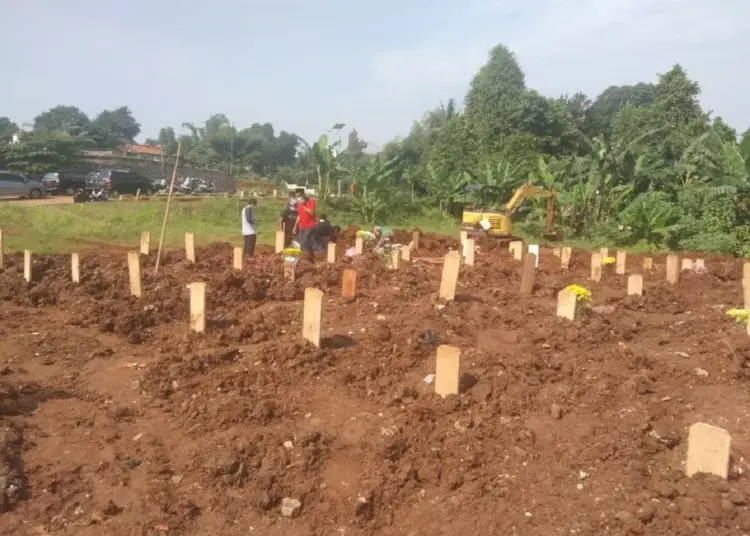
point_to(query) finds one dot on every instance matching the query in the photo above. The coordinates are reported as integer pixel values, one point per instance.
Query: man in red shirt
(306, 222)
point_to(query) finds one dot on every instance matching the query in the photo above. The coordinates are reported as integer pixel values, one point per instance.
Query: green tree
(39, 152)
(7, 129)
(112, 128)
(68, 119)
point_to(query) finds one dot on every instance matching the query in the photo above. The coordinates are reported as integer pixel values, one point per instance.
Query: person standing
(287, 222)
(305, 224)
(248, 228)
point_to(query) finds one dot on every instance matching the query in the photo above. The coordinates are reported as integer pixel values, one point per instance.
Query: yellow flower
(739, 315)
(609, 260)
(583, 295)
(360, 233)
(291, 252)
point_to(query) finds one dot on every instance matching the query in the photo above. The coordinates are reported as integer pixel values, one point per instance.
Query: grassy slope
(66, 228)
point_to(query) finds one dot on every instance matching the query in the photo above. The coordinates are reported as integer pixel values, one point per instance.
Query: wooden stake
(687, 264)
(648, 263)
(290, 269)
(137, 194)
(622, 257)
(746, 271)
(27, 265)
(198, 307)
(451, 265)
(238, 259)
(134, 270)
(462, 236)
(605, 253)
(169, 201)
(566, 304)
(565, 258)
(349, 284)
(469, 257)
(746, 297)
(358, 245)
(312, 315)
(673, 271)
(447, 367)
(331, 252)
(415, 240)
(527, 274)
(557, 252)
(75, 268)
(517, 249)
(2, 251)
(700, 263)
(406, 253)
(145, 242)
(395, 254)
(280, 237)
(635, 285)
(190, 247)
(534, 248)
(708, 450)
(596, 267)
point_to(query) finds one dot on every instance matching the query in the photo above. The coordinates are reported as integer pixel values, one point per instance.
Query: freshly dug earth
(116, 419)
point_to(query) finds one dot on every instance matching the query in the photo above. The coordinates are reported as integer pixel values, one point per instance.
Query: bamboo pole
(166, 212)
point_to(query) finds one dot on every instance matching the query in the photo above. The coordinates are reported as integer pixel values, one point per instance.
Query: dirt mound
(116, 418)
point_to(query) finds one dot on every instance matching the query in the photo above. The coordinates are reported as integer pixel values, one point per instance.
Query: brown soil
(116, 419)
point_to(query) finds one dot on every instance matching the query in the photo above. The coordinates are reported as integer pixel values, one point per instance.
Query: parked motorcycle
(93, 196)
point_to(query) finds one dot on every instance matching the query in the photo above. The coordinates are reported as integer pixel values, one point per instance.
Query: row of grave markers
(708, 446)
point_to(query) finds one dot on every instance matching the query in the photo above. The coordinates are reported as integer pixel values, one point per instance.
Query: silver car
(18, 185)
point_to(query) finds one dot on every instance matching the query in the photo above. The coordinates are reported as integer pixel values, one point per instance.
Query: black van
(120, 181)
(65, 181)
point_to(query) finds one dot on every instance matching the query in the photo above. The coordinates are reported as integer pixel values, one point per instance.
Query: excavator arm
(528, 191)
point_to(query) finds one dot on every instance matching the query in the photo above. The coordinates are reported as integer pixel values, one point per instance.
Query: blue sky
(304, 65)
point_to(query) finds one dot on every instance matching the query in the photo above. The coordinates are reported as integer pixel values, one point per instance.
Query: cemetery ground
(117, 418)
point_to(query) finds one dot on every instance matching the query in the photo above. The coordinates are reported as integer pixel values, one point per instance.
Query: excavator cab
(489, 219)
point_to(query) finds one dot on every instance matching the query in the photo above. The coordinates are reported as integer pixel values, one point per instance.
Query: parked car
(19, 185)
(66, 181)
(119, 181)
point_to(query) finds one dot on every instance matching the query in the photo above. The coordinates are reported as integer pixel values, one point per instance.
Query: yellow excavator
(485, 219)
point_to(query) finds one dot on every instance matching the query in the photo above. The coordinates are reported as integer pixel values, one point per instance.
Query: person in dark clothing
(249, 235)
(286, 223)
(323, 234)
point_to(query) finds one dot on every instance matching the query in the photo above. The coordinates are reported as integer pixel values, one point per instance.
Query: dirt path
(66, 200)
(127, 423)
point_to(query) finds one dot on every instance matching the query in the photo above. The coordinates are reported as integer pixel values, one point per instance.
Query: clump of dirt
(12, 479)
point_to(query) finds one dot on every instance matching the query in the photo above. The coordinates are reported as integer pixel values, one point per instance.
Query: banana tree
(326, 161)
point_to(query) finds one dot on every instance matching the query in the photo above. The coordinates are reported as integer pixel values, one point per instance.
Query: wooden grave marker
(198, 307)
(349, 284)
(673, 270)
(622, 257)
(238, 258)
(406, 253)
(462, 236)
(648, 263)
(516, 248)
(557, 252)
(145, 242)
(27, 265)
(469, 256)
(451, 265)
(596, 267)
(447, 367)
(687, 264)
(280, 238)
(415, 240)
(745, 272)
(395, 256)
(604, 253)
(746, 296)
(134, 272)
(2, 251)
(75, 268)
(635, 285)
(527, 274)
(331, 256)
(290, 269)
(566, 304)
(359, 245)
(700, 263)
(312, 315)
(534, 248)
(190, 247)
(708, 450)
(565, 258)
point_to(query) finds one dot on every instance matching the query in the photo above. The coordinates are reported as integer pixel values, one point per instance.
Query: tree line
(640, 165)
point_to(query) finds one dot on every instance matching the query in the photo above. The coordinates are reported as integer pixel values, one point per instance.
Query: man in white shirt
(248, 227)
